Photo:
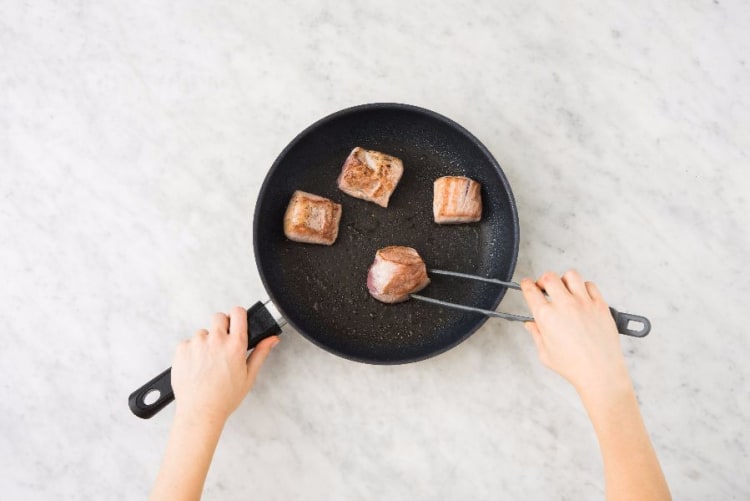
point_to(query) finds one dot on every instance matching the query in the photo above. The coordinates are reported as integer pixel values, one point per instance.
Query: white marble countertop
(134, 137)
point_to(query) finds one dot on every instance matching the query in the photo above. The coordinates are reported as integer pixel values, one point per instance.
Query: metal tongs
(641, 325)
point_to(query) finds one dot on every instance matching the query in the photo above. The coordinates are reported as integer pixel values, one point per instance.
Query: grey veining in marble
(134, 137)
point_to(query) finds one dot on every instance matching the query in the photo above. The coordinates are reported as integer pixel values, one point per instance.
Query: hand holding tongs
(622, 320)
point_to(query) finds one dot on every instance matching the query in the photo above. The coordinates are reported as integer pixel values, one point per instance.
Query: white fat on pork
(396, 273)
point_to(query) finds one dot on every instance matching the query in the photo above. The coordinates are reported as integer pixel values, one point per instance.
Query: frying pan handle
(160, 387)
(261, 324)
(622, 320)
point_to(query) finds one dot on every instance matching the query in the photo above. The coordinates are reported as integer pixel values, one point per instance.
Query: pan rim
(381, 106)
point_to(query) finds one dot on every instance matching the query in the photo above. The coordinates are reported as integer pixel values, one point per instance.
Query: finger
(200, 333)
(181, 352)
(594, 292)
(258, 356)
(533, 295)
(574, 283)
(550, 282)
(183, 345)
(220, 323)
(238, 325)
(535, 334)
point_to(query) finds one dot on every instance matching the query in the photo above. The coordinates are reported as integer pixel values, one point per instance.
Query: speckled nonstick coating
(322, 291)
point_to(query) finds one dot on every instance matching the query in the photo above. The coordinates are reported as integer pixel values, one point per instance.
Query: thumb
(258, 356)
(538, 341)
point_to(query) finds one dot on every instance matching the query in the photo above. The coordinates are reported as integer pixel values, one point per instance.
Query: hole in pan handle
(631, 325)
(261, 324)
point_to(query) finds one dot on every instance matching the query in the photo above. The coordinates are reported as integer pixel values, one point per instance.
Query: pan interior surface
(322, 290)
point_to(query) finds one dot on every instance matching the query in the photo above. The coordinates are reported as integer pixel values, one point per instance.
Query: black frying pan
(321, 291)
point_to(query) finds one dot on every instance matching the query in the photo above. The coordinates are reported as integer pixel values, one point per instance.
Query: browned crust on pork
(400, 255)
(358, 180)
(298, 216)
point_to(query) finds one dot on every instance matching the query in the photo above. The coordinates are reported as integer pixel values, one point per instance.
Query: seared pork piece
(457, 199)
(312, 219)
(396, 273)
(370, 175)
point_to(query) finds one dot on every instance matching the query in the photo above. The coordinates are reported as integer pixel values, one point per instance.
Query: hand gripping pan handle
(153, 396)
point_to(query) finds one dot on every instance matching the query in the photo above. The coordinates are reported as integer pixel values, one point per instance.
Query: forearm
(190, 448)
(631, 467)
